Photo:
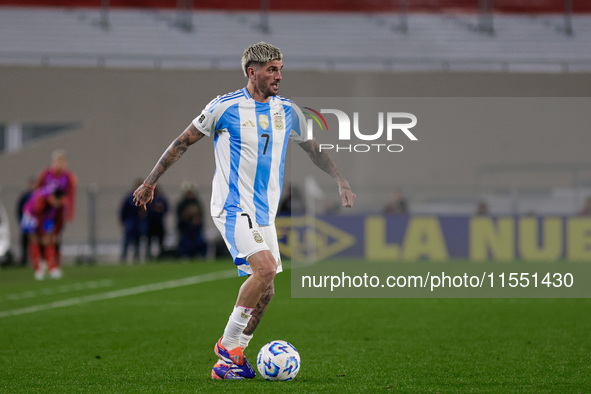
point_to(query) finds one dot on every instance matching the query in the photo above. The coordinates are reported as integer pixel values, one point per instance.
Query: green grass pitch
(162, 341)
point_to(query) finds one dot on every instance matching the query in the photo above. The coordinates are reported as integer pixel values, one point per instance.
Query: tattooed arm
(325, 163)
(145, 193)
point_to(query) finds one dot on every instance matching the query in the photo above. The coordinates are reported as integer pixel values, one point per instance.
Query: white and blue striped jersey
(250, 143)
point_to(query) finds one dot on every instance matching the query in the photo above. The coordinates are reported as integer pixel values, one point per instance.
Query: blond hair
(58, 154)
(259, 53)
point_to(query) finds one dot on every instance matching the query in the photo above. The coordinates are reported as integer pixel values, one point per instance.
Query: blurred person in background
(251, 128)
(189, 196)
(24, 237)
(156, 213)
(189, 213)
(292, 202)
(191, 242)
(42, 214)
(57, 175)
(586, 210)
(134, 223)
(397, 204)
(482, 209)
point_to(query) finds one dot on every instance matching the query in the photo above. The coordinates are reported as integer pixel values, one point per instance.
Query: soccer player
(251, 128)
(40, 214)
(57, 175)
(24, 238)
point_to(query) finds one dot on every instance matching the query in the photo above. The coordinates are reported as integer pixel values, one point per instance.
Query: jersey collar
(248, 96)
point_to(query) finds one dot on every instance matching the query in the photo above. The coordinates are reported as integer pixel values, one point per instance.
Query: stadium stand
(530, 6)
(357, 41)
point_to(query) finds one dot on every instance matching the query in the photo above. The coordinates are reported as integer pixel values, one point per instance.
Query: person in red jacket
(41, 213)
(57, 175)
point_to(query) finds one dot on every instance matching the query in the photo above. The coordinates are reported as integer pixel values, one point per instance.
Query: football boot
(221, 370)
(235, 359)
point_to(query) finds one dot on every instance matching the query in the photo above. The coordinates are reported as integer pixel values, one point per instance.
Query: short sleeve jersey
(250, 144)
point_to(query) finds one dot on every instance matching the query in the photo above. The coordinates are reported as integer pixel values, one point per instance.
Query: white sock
(244, 340)
(236, 324)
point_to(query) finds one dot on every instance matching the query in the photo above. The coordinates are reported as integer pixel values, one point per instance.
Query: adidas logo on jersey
(248, 123)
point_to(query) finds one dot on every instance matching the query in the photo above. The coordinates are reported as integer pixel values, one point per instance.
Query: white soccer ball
(278, 360)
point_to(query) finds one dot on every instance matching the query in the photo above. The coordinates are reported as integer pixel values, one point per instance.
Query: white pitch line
(59, 290)
(171, 284)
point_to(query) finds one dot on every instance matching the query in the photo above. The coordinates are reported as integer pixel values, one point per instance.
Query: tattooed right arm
(173, 153)
(145, 193)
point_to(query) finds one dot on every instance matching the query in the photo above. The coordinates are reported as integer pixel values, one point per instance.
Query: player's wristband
(146, 186)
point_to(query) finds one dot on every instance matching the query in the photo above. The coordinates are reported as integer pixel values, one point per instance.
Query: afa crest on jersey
(278, 122)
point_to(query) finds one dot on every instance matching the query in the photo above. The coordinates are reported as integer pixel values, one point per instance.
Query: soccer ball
(278, 360)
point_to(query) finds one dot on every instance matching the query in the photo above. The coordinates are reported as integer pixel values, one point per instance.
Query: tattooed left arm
(325, 163)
